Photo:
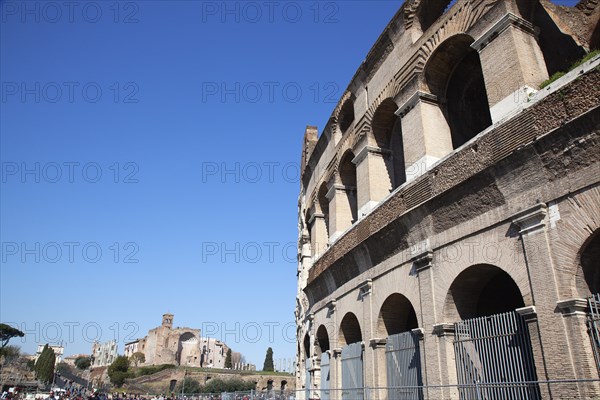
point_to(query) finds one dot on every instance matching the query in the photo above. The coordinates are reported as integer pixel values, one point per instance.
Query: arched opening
(490, 332)
(430, 10)
(350, 338)
(283, 385)
(482, 290)
(321, 348)
(396, 321)
(346, 115)
(322, 340)
(595, 39)
(397, 315)
(306, 345)
(453, 73)
(560, 50)
(186, 347)
(347, 174)
(387, 132)
(350, 330)
(323, 203)
(590, 263)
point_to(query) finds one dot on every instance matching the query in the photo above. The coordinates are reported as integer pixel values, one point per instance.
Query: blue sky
(193, 116)
(150, 156)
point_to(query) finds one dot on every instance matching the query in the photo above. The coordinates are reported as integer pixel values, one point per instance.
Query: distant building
(58, 352)
(70, 360)
(131, 347)
(104, 354)
(179, 346)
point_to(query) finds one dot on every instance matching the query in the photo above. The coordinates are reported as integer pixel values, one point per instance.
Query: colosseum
(449, 211)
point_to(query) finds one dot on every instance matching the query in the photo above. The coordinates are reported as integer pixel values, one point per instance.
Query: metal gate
(325, 376)
(403, 361)
(352, 372)
(594, 326)
(307, 383)
(494, 359)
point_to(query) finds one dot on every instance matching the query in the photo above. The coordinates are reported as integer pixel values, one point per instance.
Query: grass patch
(560, 74)
(152, 369)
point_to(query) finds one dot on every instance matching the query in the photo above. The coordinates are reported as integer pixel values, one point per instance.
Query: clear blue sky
(167, 136)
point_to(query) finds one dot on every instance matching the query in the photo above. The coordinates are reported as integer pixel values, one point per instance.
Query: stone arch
(481, 290)
(595, 39)
(423, 13)
(350, 331)
(346, 114)
(453, 73)
(323, 205)
(306, 344)
(397, 315)
(387, 135)
(589, 264)
(322, 341)
(187, 343)
(560, 50)
(347, 177)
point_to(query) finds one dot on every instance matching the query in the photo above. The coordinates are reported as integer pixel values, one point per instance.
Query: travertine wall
(513, 201)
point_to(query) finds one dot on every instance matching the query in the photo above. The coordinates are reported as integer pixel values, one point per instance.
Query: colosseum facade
(449, 211)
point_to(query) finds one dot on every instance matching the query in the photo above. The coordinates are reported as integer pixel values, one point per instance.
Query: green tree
(118, 371)
(7, 332)
(229, 385)
(83, 362)
(268, 365)
(9, 354)
(189, 386)
(138, 358)
(228, 363)
(44, 367)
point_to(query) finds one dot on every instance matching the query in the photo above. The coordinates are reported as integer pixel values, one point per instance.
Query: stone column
(335, 365)
(575, 315)
(447, 359)
(553, 358)
(428, 135)
(377, 346)
(340, 209)
(369, 365)
(530, 315)
(373, 168)
(318, 234)
(431, 362)
(510, 59)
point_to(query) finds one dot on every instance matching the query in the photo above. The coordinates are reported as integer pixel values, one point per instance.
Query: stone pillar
(374, 171)
(428, 135)
(510, 59)
(575, 314)
(447, 359)
(341, 199)
(335, 365)
(431, 362)
(530, 316)
(380, 382)
(318, 234)
(554, 356)
(369, 365)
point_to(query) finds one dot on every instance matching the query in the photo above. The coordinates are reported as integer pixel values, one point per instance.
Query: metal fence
(563, 389)
(403, 363)
(493, 355)
(594, 325)
(352, 372)
(325, 376)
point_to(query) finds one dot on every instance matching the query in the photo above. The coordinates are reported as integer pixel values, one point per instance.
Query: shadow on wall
(560, 50)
